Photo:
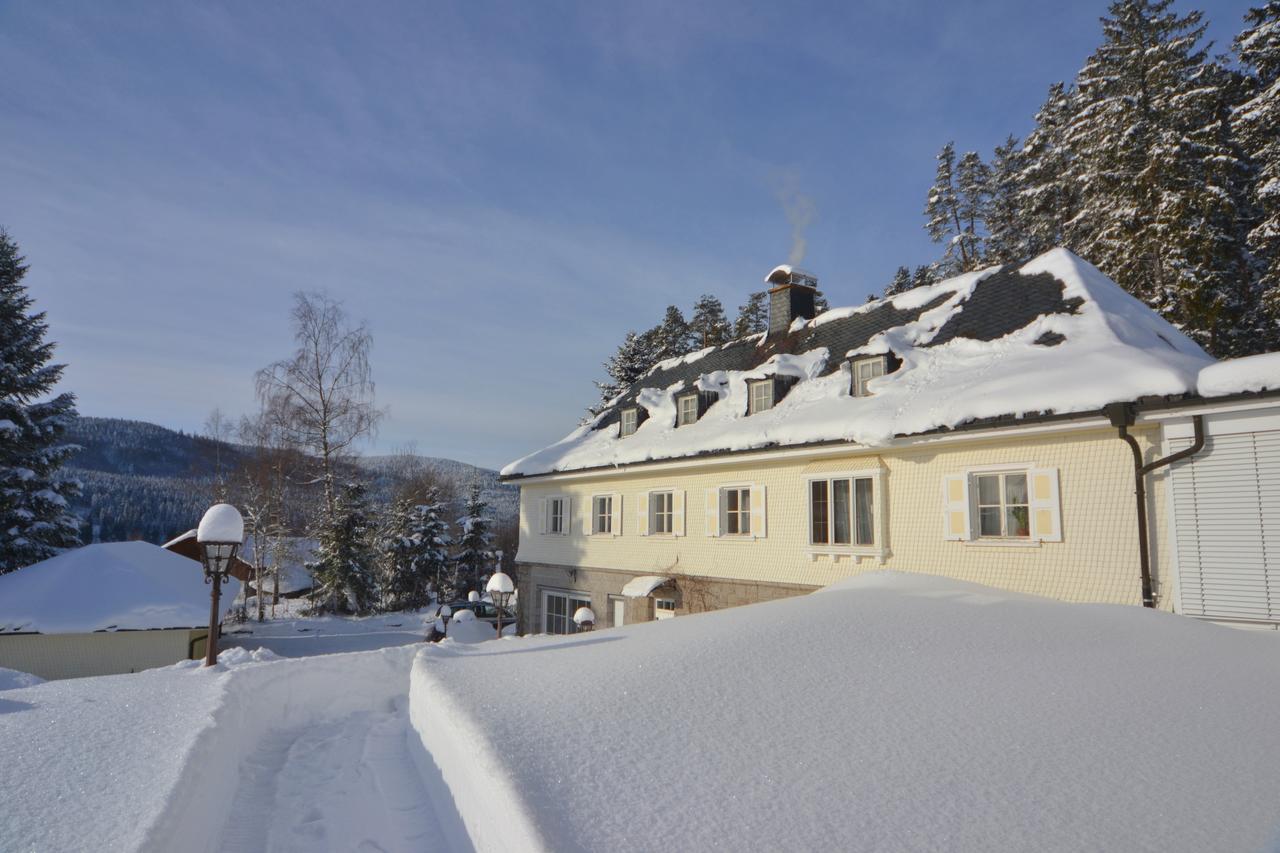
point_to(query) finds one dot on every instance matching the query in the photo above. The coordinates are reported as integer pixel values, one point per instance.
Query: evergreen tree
(753, 317)
(708, 324)
(924, 276)
(413, 552)
(345, 556)
(1048, 200)
(34, 518)
(474, 559)
(1008, 239)
(901, 282)
(973, 192)
(1157, 203)
(633, 359)
(820, 304)
(673, 335)
(1257, 125)
(953, 210)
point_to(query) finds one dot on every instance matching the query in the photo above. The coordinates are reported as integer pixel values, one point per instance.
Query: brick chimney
(791, 296)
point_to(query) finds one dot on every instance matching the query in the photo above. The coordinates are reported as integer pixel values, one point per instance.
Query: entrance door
(617, 612)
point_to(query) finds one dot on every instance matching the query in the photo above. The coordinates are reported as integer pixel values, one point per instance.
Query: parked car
(484, 611)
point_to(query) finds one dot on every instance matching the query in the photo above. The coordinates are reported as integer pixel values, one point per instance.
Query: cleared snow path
(344, 785)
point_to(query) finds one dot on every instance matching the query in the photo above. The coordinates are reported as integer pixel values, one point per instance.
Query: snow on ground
(1114, 349)
(891, 712)
(301, 636)
(275, 755)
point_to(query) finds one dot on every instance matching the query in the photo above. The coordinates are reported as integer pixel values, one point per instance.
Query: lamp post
(584, 618)
(220, 533)
(500, 589)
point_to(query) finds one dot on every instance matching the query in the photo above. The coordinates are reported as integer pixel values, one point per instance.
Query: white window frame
(1044, 510)
(878, 549)
(726, 522)
(669, 612)
(864, 370)
(645, 521)
(628, 416)
(754, 407)
(602, 522)
(682, 402)
(669, 497)
(573, 600)
(1003, 505)
(548, 525)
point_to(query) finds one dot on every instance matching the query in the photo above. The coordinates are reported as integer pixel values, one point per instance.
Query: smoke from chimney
(801, 211)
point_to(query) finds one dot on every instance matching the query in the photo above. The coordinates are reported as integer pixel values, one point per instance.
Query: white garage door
(1226, 512)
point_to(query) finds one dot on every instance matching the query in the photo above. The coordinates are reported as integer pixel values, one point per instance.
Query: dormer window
(686, 410)
(630, 422)
(866, 369)
(760, 396)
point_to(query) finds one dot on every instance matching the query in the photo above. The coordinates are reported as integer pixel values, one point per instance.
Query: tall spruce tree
(1257, 125)
(343, 569)
(475, 558)
(1008, 238)
(924, 275)
(34, 519)
(901, 282)
(973, 194)
(955, 207)
(753, 317)
(1148, 168)
(708, 324)
(636, 354)
(673, 335)
(413, 552)
(1048, 199)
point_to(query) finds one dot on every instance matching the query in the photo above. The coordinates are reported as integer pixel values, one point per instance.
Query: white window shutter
(1046, 508)
(955, 508)
(542, 515)
(677, 512)
(758, 520)
(642, 504)
(616, 524)
(713, 512)
(589, 518)
(566, 524)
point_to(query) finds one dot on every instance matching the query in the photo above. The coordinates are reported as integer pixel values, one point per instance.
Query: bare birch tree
(322, 397)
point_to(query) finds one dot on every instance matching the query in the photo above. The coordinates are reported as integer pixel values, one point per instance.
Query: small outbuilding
(104, 609)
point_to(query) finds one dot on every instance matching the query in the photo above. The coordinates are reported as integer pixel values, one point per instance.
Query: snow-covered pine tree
(820, 304)
(634, 357)
(1148, 168)
(413, 553)
(753, 317)
(345, 556)
(973, 193)
(1007, 237)
(1257, 125)
(474, 559)
(948, 211)
(708, 323)
(1048, 199)
(34, 521)
(673, 335)
(901, 282)
(924, 276)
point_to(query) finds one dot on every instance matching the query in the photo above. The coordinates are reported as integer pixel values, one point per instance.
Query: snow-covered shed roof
(104, 587)
(1054, 336)
(644, 585)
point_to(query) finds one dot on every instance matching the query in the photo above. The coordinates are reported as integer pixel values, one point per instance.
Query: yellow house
(974, 429)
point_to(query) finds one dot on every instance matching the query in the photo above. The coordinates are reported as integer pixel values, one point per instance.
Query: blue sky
(500, 190)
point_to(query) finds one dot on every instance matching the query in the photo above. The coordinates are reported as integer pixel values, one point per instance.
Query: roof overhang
(644, 585)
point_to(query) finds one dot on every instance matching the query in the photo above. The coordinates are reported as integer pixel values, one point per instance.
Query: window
(686, 410)
(661, 511)
(864, 370)
(760, 396)
(602, 514)
(630, 422)
(1004, 511)
(556, 512)
(735, 511)
(841, 511)
(558, 609)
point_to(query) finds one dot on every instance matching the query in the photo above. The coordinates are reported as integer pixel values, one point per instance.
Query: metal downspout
(1122, 417)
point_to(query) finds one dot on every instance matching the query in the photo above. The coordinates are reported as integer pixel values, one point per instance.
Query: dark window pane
(818, 506)
(1015, 489)
(989, 521)
(865, 512)
(989, 490)
(840, 512)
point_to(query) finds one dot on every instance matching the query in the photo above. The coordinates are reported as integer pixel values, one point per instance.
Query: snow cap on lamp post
(220, 533)
(584, 618)
(500, 583)
(473, 596)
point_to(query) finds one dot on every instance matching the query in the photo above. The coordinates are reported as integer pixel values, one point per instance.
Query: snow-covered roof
(294, 575)
(1241, 375)
(644, 585)
(1052, 336)
(109, 586)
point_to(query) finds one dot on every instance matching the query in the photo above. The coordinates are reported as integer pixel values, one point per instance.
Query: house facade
(968, 430)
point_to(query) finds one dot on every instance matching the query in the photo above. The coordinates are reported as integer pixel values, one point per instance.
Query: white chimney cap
(787, 274)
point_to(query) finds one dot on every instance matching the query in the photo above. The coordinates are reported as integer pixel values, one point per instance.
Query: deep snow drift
(1113, 349)
(892, 712)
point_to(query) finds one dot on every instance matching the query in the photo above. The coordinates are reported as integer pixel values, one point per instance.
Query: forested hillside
(143, 481)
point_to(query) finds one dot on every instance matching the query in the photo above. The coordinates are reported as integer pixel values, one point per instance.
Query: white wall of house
(54, 656)
(1095, 559)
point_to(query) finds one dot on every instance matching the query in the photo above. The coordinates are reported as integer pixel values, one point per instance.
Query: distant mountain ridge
(142, 480)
